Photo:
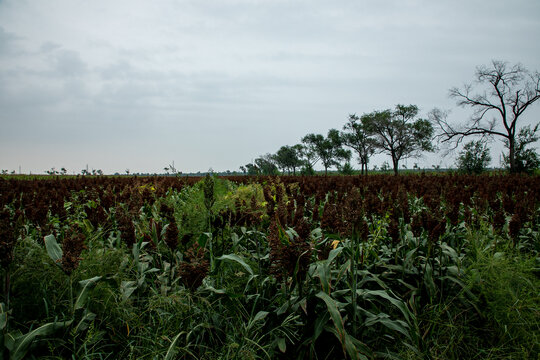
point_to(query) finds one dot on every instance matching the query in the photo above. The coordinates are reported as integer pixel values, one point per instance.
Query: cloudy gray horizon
(137, 85)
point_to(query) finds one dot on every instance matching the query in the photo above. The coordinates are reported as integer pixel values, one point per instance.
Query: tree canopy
(399, 133)
(357, 137)
(288, 158)
(526, 159)
(329, 150)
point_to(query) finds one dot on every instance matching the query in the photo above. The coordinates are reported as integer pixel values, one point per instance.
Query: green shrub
(474, 158)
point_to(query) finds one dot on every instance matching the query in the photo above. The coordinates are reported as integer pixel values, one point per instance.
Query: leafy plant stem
(258, 242)
(72, 309)
(440, 273)
(354, 273)
(7, 287)
(71, 304)
(211, 251)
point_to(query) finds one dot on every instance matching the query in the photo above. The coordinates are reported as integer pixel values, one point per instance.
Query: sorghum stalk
(354, 278)
(7, 288)
(209, 199)
(211, 251)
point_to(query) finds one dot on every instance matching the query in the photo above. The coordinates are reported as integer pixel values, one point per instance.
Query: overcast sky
(133, 84)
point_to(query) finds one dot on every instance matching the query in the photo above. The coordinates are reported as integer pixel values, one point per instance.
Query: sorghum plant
(72, 247)
(194, 269)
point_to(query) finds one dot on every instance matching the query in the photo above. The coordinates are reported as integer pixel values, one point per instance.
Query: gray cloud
(137, 84)
(49, 47)
(68, 64)
(7, 42)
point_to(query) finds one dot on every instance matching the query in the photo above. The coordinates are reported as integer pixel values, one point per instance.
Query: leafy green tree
(251, 169)
(340, 154)
(308, 157)
(474, 158)
(307, 169)
(399, 133)
(288, 158)
(526, 159)
(266, 165)
(357, 137)
(329, 150)
(505, 92)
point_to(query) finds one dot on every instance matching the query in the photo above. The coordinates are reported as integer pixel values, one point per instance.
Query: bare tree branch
(512, 90)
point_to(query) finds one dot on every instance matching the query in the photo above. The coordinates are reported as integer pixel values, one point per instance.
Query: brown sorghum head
(499, 220)
(436, 230)
(72, 247)
(171, 235)
(289, 259)
(166, 212)
(126, 227)
(194, 270)
(393, 230)
(330, 219)
(515, 226)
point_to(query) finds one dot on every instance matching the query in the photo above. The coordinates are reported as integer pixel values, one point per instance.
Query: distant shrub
(346, 169)
(474, 158)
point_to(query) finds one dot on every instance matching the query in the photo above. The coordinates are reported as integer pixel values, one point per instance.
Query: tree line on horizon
(502, 90)
(498, 97)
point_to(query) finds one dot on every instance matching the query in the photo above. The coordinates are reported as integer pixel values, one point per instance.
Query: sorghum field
(349, 267)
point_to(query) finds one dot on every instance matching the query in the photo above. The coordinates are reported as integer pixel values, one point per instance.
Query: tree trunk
(364, 160)
(395, 161)
(512, 153)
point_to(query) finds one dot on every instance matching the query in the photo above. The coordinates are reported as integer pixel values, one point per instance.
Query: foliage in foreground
(268, 269)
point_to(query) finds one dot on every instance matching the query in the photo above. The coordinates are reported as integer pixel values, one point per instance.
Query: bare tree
(506, 92)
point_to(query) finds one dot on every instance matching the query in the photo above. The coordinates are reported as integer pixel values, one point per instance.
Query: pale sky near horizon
(213, 84)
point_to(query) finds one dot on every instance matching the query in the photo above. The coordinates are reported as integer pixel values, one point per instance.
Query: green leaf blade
(53, 249)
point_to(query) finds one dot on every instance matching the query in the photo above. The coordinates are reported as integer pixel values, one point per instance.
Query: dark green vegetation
(475, 158)
(408, 267)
